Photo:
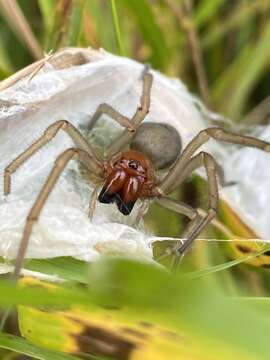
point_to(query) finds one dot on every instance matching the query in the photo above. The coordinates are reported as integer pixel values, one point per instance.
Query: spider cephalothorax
(130, 175)
(127, 179)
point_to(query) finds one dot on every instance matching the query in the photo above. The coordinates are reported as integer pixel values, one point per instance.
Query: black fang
(107, 198)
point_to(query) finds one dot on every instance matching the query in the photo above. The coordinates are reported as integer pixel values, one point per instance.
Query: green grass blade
(19, 345)
(47, 8)
(240, 77)
(75, 23)
(6, 67)
(117, 28)
(224, 266)
(206, 10)
(101, 14)
(241, 17)
(230, 76)
(151, 32)
(258, 60)
(16, 19)
(65, 267)
(60, 24)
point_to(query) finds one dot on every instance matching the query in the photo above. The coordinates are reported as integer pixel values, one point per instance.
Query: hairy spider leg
(186, 164)
(114, 114)
(44, 193)
(87, 157)
(141, 212)
(93, 161)
(92, 202)
(197, 223)
(142, 110)
(170, 182)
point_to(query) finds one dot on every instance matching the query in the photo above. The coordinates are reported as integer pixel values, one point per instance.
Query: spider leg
(183, 209)
(34, 213)
(141, 212)
(198, 223)
(114, 114)
(93, 162)
(92, 203)
(177, 206)
(138, 117)
(169, 182)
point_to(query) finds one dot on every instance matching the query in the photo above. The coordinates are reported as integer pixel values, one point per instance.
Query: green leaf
(39, 296)
(22, 346)
(258, 303)
(64, 267)
(130, 293)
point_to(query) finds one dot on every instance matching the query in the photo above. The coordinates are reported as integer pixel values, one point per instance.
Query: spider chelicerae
(128, 173)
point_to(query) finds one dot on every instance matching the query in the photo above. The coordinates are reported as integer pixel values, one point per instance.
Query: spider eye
(133, 164)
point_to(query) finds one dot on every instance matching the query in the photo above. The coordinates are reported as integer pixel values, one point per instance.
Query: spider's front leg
(114, 114)
(142, 110)
(92, 162)
(33, 216)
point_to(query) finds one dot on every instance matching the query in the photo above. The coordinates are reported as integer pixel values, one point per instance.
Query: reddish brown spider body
(127, 179)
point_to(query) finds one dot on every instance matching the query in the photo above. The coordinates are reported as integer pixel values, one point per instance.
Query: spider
(129, 174)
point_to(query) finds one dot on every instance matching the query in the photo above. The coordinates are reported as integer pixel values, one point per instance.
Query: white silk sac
(70, 85)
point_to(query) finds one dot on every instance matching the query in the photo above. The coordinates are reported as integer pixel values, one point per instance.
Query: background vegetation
(221, 50)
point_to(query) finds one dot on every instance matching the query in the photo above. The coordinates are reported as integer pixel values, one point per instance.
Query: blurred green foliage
(233, 37)
(201, 321)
